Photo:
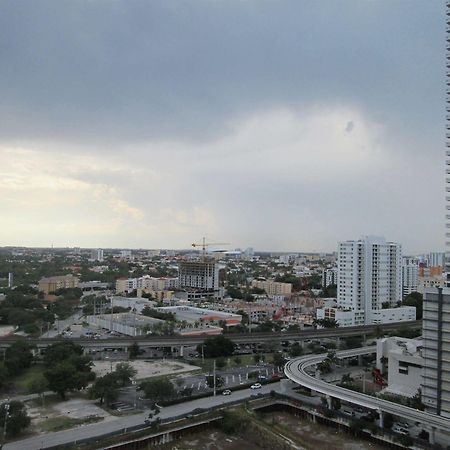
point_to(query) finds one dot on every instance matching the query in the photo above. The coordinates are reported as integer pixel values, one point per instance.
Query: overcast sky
(281, 125)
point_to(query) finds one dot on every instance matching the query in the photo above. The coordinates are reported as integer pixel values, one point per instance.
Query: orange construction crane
(205, 244)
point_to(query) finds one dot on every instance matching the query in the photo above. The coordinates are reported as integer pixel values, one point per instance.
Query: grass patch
(64, 423)
(21, 382)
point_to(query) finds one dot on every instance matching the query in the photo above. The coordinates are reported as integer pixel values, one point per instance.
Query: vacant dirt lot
(314, 436)
(146, 369)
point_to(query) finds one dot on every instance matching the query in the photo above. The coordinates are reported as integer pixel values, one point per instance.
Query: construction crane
(205, 244)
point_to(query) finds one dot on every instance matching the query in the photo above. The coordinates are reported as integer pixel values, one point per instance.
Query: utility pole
(214, 377)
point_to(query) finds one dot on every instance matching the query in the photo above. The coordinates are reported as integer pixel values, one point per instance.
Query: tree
(217, 346)
(67, 368)
(16, 418)
(295, 350)
(38, 385)
(106, 388)
(158, 390)
(64, 377)
(415, 299)
(210, 381)
(220, 363)
(134, 350)
(61, 351)
(125, 372)
(326, 323)
(278, 359)
(18, 356)
(237, 360)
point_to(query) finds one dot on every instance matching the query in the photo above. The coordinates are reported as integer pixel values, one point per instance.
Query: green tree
(278, 359)
(221, 363)
(326, 323)
(216, 346)
(210, 381)
(61, 351)
(295, 350)
(18, 356)
(106, 388)
(157, 390)
(38, 385)
(125, 372)
(415, 299)
(63, 377)
(16, 418)
(134, 351)
(67, 368)
(237, 360)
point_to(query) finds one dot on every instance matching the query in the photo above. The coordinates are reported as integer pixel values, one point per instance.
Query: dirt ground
(71, 409)
(212, 440)
(145, 369)
(315, 436)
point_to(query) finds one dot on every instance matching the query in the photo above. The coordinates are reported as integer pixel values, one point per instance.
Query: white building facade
(369, 283)
(410, 276)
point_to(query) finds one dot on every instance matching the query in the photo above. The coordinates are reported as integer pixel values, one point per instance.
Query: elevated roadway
(296, 371)
(238, 338)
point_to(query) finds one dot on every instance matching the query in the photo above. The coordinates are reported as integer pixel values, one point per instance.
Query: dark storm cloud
(114, 72)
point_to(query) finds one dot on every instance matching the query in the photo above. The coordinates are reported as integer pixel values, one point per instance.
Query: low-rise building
(273, 287)
(350, 318)
(404, 364)
(197, 316)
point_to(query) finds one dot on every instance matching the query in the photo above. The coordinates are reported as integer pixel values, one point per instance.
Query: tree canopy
(216, 346)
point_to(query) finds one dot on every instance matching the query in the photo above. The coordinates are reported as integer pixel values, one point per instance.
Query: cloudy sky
(281, 125)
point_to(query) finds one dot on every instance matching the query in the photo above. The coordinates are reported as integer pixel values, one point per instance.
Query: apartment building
(369, 285)
(273, 287)
(410, 277)
(52, 284)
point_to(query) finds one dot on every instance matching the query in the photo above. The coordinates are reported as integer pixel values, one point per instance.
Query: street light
(7, 405)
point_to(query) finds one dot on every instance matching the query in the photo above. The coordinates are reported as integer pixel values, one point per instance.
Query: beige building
(273, 287)
(52, 284)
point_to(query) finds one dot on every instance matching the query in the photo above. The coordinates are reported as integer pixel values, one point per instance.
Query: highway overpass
(296, 371)
(241, 338)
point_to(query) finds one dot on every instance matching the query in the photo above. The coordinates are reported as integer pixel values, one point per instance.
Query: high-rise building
(436, 351)
(410, 276)
(10, 280)
(97, 254)
(436, 259)
(199, 275)
(436, 306)
(369, 275)
(369, 284)
(329, 277)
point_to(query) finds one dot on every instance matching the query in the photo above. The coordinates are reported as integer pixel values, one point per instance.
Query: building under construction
(199, 276)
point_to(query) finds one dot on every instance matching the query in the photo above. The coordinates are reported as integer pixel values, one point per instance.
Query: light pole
(7, 405)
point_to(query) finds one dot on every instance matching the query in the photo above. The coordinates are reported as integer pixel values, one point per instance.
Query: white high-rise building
(97, 254)
(436, 259)
(369, 276)
(410, 276)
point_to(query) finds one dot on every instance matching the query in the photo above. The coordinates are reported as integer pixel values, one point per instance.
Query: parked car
(347, 412)
(226, 392)
(256, 386)
(400, 430)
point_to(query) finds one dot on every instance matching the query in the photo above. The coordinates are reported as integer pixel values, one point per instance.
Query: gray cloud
(193, 117)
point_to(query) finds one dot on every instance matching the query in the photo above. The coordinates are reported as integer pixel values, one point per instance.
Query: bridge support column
(381, 418)
(432, 436)
(329, 402)
(181, 354)
(359, 360)
(338, 342)
(364, 336)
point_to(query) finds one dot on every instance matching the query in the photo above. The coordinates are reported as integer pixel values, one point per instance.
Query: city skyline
(149, 125)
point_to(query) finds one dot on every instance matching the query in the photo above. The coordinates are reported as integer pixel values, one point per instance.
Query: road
(296, 371)
(61, 325)
(98, 429)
